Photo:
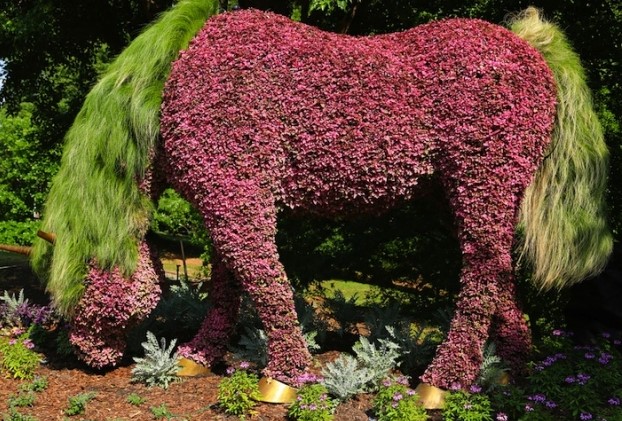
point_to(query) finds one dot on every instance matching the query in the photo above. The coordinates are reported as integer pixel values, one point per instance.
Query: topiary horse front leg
(241, 218)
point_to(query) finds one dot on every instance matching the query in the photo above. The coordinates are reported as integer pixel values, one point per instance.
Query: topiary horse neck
(260, 112)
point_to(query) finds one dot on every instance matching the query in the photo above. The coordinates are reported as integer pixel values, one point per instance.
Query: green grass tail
(566, 237)
(95, 206)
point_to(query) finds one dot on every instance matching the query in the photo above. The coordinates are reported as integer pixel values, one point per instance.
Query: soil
(192, 398)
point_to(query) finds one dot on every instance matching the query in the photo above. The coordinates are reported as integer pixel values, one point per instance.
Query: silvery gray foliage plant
(348, 375)
(10, 304)
(345, 378)
(160, 364)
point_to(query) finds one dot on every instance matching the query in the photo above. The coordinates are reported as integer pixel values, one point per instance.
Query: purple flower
(583, 378)
(403, 380)
(537, 398)
(605, 358)
(589, 356)
(28, 343)
(584, 416)
(386, 383)
(528, 408)
(244, 365)
(551, 404)
(397, 397)
(501, 416)
(230, 370)
(570, 379)
(455, 386)
(475, 388)
(614, 401)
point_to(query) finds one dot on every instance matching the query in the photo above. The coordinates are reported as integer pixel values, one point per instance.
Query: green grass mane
(95, 206)
(566, 237)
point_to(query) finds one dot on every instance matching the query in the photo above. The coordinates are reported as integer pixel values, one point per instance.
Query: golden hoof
(188, 368)
(431, 397)
(273, 391)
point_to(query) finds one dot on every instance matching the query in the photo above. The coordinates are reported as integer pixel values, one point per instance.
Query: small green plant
(395, 401)
(77, 403)
(38, 384)
(159, 366)
(467, 406)
(161, 412)
(135, 399)
(17, 356)
(22, 400)
(312, 404)
(237, 394)
(15, 415)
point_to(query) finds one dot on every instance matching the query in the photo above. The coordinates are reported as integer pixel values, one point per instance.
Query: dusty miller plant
(344, 378)
(348, 376)
(160, 364)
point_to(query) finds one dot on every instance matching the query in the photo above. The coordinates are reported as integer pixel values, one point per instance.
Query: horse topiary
(259, 112)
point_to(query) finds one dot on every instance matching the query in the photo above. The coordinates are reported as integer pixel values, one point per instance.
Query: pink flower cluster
(111, 305)
(261, 112)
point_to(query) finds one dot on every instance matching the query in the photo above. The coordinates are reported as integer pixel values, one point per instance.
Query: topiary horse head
(260, 112)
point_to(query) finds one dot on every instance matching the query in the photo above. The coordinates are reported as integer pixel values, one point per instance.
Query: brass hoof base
(273, 391)
(188, 368)
(431, 397)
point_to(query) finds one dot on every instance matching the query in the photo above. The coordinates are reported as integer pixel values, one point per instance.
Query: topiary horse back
(260, 112)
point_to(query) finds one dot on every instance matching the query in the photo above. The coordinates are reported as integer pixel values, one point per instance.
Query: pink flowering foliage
(261, 112)
(111, 305)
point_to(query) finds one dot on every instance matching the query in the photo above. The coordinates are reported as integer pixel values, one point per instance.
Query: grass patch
(349, 289)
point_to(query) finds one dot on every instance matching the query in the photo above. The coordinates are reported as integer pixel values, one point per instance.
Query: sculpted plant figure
(260, 113)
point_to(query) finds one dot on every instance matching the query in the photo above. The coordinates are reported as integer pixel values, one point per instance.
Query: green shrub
(312, 404)
(237, 394)
(17, 357)
(395, 401)
(466, 406)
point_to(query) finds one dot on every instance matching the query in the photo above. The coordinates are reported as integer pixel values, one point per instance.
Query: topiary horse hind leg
(210, 343)
(485, 210)
(510, 331)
